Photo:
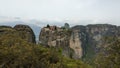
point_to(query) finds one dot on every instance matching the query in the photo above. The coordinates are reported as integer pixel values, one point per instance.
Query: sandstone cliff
(91, 37)
(53, 36)
(85, 41)
(77, 41)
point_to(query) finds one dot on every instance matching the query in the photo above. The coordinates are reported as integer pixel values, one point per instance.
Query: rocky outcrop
(85, 41)
(91, 37)
(23, 31)
(75, 44)
(77, 41)
(26, 33)
(53, 36)
(67, 39)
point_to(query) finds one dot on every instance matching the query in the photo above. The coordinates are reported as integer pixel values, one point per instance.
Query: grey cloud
(60, 10)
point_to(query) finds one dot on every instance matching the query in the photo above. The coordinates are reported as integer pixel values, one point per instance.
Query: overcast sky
(71, 11)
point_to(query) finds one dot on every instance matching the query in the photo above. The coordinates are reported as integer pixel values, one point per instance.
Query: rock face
(26, 33)
(85, 41)
(70, 40)
(77, 41)
(75, 44)
(56, 37)
(91, 37)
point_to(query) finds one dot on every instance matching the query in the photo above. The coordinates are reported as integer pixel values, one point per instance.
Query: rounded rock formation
(26, 33)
